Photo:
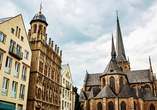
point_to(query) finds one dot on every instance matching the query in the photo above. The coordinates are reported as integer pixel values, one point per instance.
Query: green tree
(77, 103)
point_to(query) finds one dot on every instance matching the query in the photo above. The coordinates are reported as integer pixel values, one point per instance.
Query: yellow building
(15, 60)
(68, 96)
(45, 74)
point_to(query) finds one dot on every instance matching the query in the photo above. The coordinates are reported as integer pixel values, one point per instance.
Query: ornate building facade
(45, 75)
(67, 96)
(119, 88)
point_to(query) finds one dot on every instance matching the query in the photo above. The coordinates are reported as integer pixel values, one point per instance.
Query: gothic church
(118, 88)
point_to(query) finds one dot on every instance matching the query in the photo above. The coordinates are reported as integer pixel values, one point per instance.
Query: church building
(117, 87)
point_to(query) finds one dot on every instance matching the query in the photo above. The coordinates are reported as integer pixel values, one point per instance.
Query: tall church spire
(113, 52)
(119, 44)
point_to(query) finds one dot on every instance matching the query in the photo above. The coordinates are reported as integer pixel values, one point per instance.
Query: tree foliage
(77, 103)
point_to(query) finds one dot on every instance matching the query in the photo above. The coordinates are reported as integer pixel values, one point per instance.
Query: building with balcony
(45, 74)
(15, 60)
(67, 96)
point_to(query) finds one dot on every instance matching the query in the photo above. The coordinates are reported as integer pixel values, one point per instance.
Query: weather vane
(41, 6)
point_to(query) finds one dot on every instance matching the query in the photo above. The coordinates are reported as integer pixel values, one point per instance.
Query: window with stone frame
(55, 76)
(110, 106)
(134, 105)
(112, 84)
(49, 73)
(58, 78)
(121, 83)
(152, 107)
(103, 82)
(40, 67)
(123, 106)
(52, 74)
(99, 105)
(45, 70)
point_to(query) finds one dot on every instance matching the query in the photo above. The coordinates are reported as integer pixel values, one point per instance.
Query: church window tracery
(110, 106)
(99, 106)
(112, 84)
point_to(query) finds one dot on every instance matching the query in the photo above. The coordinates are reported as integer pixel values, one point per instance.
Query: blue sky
(82, 30)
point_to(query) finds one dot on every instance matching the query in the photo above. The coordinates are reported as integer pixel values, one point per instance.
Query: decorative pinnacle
(117, 12)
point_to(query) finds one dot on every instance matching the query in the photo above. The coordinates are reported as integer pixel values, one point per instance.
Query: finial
(40, 7)
(112, 33)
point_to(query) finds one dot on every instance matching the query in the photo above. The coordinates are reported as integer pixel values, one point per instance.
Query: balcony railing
(67, 87)
(15, 52)
(21, 96)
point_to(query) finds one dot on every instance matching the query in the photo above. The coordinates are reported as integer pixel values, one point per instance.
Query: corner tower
(122, 62)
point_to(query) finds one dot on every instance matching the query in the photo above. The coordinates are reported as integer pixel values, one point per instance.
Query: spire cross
(41, 6)
(117, 12)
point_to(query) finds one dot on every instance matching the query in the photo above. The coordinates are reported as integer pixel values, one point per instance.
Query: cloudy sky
(82, 30)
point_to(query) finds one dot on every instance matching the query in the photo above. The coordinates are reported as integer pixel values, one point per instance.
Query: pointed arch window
(112, 84)
(121, 83)
(123, 106)
(110, 106)
(103, 82)
(146, 86)
(35, 28)
(152, 107)
(99, 106)
(134, 106)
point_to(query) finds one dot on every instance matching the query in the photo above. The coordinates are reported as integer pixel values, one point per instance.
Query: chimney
(55, 48)
(52, 44)
(49, 42)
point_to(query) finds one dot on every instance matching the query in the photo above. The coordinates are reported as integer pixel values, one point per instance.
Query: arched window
(40, 28)
(123, 106)
(134, 106)
(99, 106)
(44, 30)
(103, 82)
(152, 107)
(112, 84)
(121, 68)
(110, 106)
(146, 86)
(121, 83)
(35, 28)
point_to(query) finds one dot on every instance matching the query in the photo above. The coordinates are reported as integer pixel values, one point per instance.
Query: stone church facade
(45, 75)
(119, 88)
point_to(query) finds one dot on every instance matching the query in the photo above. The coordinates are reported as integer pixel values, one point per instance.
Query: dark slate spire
(113, 52)
(119, 44)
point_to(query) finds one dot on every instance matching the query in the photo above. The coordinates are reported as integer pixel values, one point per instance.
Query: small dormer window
(111, 70)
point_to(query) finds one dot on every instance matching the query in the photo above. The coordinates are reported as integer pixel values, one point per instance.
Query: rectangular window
(45, 71)
(7, 65)
(62, 105)
(16, 69)
(63, 80)
(1, 60)
(70, 96)
(20, 107)
(52, 74)
(49, 73)
(24, 73)
(65, 104)
(4, 86)
(21, 95)
(13, 91)
(65, 94)
(70, 106)
(22, 38)
(18, 48)
(58, 78)
(11, 46)
(40, 67)
(26, 54)
(19, 33)
(16, 31)
(2, 37)
(12, 30)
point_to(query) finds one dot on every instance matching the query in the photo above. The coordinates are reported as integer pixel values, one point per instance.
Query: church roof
(94, 92)
(148, 95)
(63, 68)
(126, 92)
(93, 79)
(106, 92)
(138, 76)
(82, 96)
(112, 68)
